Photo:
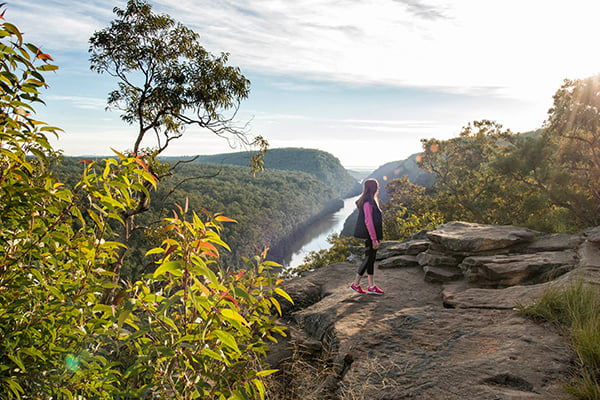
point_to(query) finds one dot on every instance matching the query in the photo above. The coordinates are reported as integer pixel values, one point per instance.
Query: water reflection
(315, 238)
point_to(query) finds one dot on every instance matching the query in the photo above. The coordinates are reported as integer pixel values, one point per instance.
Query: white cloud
(505, 50)
(89, 103)
(507, 47)
(63, 25)
(510, 47)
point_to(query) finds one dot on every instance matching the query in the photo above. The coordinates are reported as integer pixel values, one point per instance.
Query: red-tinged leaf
(233, 301)
(221, 218)
(169, 251)
(224, 293)
(206, 245)
(86, 161)
(240, 274)
(44, 56)
(141, 163)
(167, 229)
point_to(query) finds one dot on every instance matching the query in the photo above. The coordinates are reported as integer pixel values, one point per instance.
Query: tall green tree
(409, 210)
(167, 82)
(488, 175)
(573, 129)
(466, 183)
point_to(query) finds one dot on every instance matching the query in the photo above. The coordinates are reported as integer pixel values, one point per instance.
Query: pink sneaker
(374, 290)
(357, 289)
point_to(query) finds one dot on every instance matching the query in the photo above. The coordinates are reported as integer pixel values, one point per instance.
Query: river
(315, 238)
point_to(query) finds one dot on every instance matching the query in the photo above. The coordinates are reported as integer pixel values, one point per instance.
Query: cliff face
(446, 327)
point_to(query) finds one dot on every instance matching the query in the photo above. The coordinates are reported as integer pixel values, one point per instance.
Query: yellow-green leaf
(233, 315)
(227, 339)
(283, 294)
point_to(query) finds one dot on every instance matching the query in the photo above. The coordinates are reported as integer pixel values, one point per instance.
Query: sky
(365, 80)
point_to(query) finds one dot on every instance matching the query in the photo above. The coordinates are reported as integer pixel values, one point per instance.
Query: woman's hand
(376, 244)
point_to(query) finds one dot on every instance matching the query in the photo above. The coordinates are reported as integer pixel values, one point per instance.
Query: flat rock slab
(593, 234)
(554, 242)
(589, 255)
(456, 296)
(407, 247)
(399, 261)
(509, 270)
(464, 237)
(436, 259)
(441, 274)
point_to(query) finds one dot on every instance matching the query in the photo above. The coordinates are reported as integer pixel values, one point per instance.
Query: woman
(368, 227)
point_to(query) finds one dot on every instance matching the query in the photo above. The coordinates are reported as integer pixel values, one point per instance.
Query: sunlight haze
(365, 80)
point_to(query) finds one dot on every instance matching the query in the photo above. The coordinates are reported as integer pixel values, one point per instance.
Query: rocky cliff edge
(447, 326)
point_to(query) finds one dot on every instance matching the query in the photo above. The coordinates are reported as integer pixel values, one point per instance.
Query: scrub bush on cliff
(409, 210)
(50, 272)
(194, 329)
(59, 340)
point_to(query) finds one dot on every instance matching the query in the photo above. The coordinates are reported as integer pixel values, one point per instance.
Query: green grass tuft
(575, 308)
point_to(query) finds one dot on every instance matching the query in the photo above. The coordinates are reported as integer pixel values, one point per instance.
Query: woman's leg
(365, 264)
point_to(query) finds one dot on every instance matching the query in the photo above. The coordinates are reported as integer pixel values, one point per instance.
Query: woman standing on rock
(368, 227)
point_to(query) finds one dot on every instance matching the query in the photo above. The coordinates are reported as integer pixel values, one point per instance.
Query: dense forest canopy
(267, 206)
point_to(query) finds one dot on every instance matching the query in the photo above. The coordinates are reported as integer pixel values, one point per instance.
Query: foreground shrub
(69, 328)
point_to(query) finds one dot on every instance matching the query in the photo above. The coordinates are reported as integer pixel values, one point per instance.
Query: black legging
(369, 262)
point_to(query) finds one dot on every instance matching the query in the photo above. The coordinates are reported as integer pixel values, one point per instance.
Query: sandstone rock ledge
(448, 334)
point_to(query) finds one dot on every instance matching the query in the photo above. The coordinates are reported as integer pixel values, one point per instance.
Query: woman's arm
(368, 208)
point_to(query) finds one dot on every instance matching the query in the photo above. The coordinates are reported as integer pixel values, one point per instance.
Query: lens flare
(72, 362)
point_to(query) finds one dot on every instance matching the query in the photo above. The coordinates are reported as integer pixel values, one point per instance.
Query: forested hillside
(268, 206)
(397, 169)
(324, 166)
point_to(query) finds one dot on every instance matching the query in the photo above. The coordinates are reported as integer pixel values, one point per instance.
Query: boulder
(399, 261)
(406, 344)
(464, 237)
(462, 339)
(589, 254)
(593, 234)
(407, 247)
(434, 259)
(441, 274)
(510, 270)
(554, 242)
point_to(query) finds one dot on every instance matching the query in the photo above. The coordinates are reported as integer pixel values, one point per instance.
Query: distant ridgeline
(388, 172)
(397, 169)
(324, 166)
(269, 206)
